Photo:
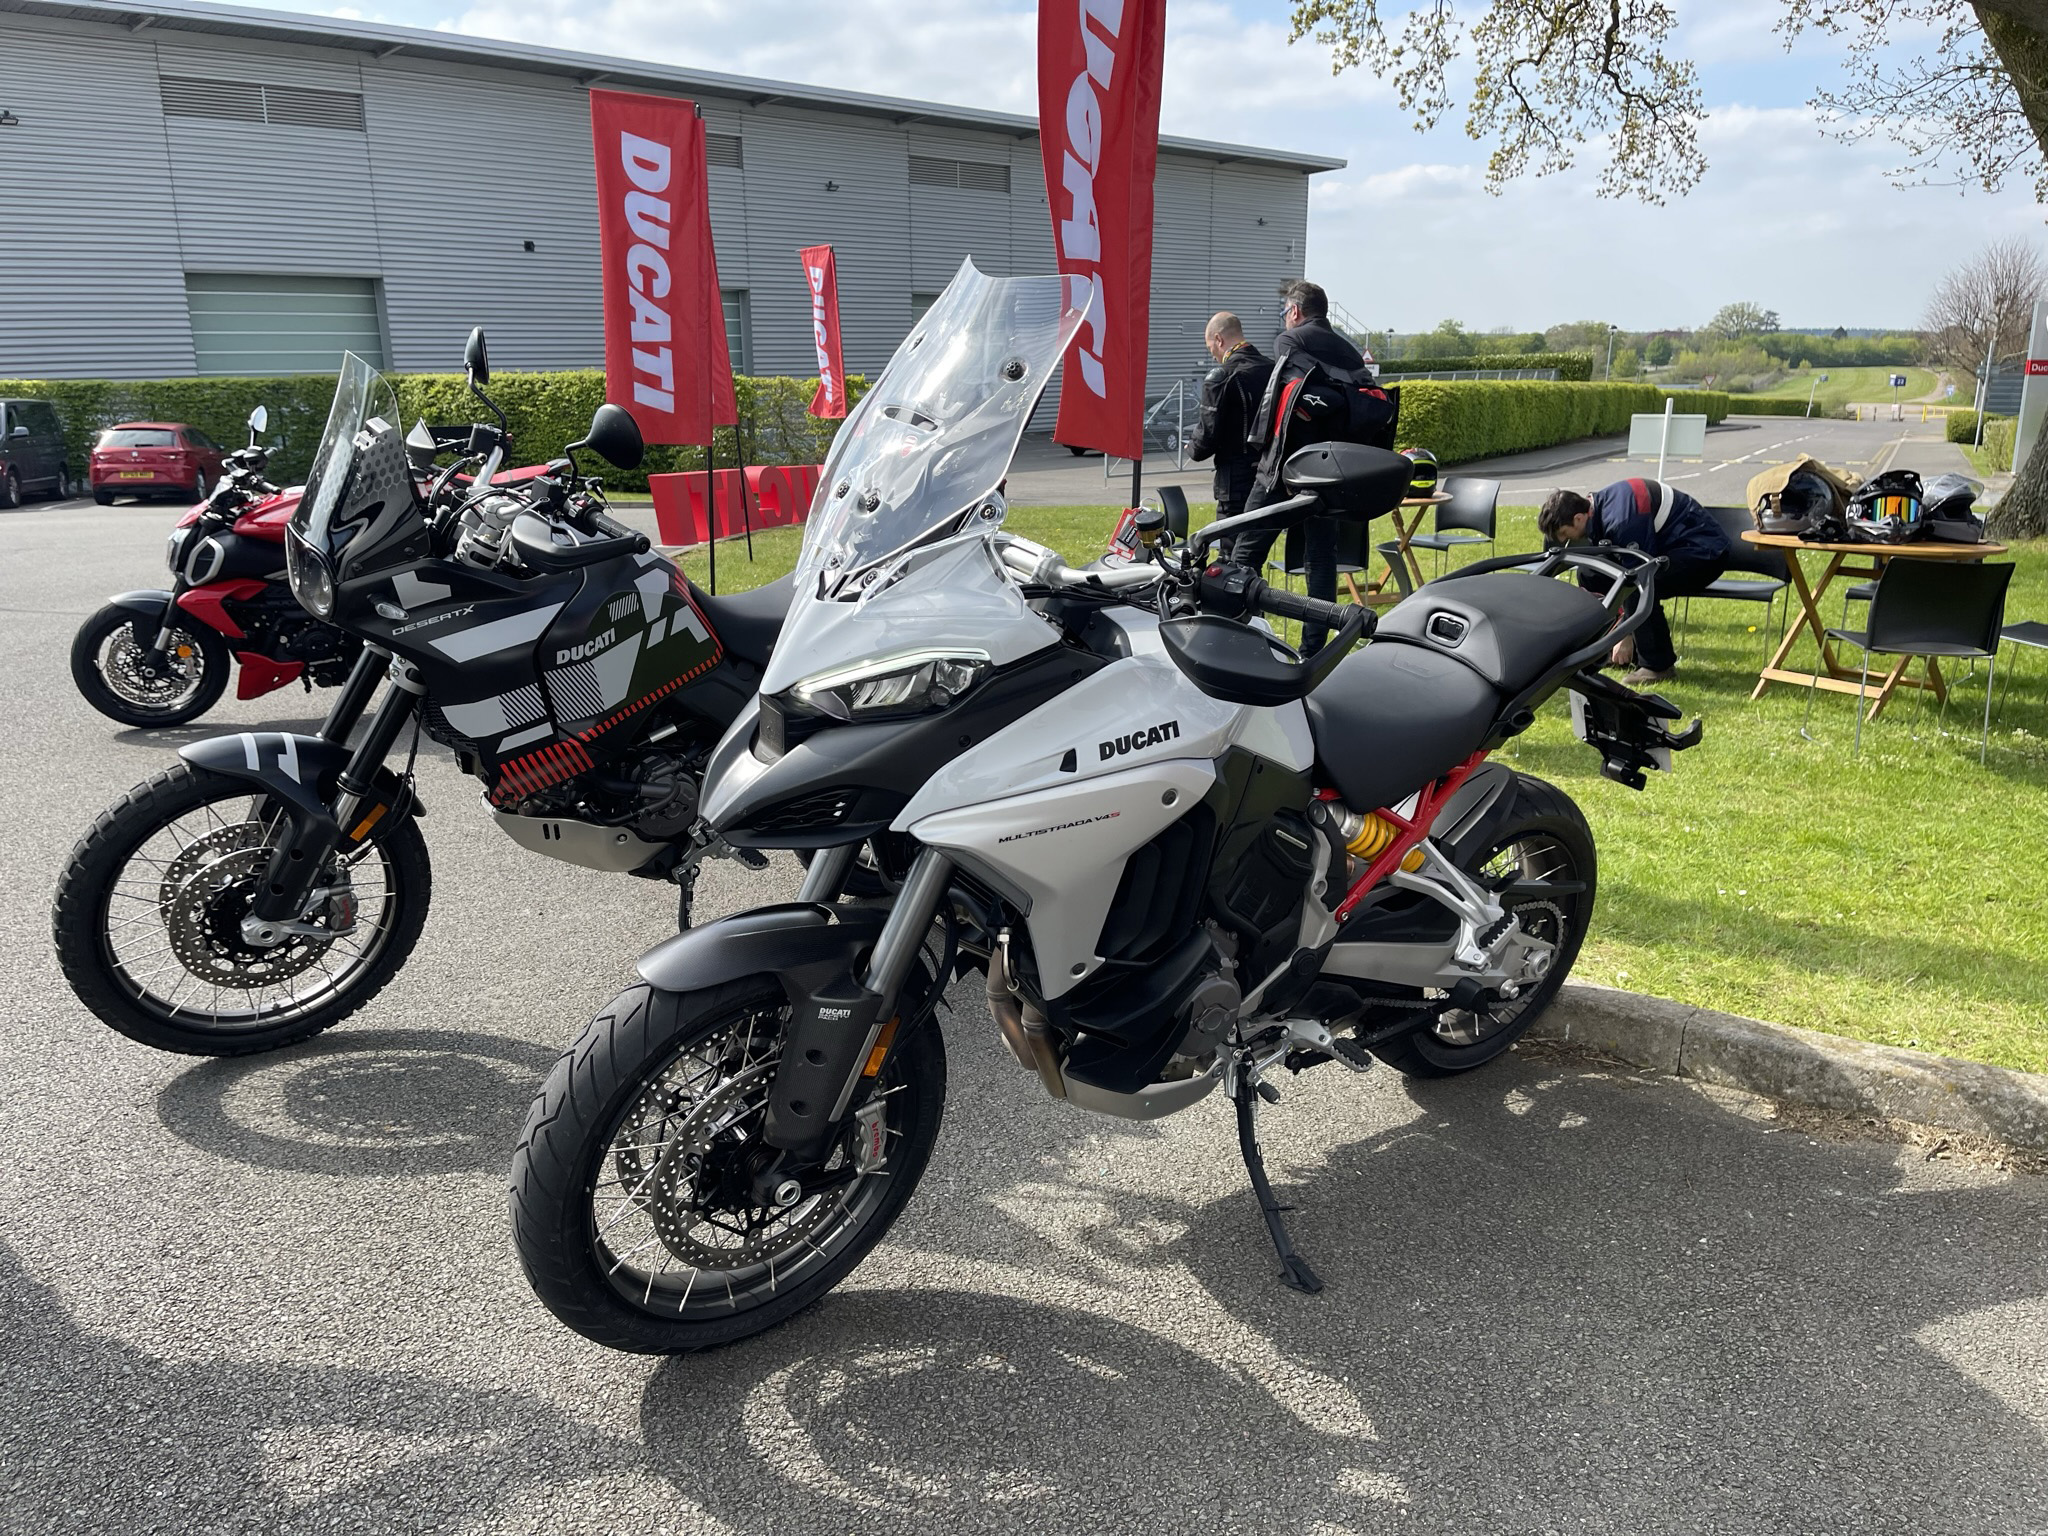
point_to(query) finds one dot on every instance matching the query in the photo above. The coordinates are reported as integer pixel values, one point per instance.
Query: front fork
(835, 1032)
(313, 833)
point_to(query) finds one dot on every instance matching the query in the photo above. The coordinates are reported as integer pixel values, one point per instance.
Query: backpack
(1330, 404)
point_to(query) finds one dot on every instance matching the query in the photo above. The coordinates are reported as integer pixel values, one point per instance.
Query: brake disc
(690, 1181)
(206, 892)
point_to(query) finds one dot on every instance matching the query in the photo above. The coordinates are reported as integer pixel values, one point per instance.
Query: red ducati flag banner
(1099, 63)
(665, 357)
(821, 276)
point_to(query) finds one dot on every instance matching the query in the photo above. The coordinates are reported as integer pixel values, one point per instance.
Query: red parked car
(154, 458)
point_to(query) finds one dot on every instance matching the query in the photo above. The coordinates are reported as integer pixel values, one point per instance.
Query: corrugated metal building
(197, 188)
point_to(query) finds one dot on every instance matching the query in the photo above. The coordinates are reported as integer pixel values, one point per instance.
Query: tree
(1734, 322)
(1549, 77)
(1626, 364)
(1657, 351)
(1577, 336)
(1988, 300)
(1449, 339)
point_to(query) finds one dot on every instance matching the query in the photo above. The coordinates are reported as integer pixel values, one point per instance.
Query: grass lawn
(1846, 384)
(1900, 897)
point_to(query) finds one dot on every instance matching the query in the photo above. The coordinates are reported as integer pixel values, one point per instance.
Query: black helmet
(1422, 471)
(1948, 510)
(1806, 499)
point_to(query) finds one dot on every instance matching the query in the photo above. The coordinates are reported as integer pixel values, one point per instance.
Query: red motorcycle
(157, 658)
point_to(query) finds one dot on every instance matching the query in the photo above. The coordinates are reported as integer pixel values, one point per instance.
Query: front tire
(107, 665)
(1543, 862)
(147, 914)
(631, 1211)
(10, 491)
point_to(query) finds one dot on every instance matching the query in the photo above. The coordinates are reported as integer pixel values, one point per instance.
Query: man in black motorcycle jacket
(1308, 339)
(1231, 395)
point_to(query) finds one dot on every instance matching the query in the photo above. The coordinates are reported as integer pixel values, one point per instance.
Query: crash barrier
(760, 496)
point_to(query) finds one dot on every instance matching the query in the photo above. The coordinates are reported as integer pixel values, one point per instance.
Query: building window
(256, 323)
(968, 175)
(722, 151)
(739, 329)
(249, 101)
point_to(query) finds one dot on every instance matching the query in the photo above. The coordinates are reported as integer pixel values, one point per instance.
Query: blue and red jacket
(1658, 519)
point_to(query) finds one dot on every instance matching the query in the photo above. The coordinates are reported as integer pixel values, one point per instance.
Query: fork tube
(916, 904)
(355, 694)
(826, 877)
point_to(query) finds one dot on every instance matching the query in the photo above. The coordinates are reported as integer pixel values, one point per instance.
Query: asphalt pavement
(277, 1295)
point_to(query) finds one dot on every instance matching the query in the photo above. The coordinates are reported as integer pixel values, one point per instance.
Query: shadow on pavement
(1558, 1300)
(368, 1104)
(99, 1436)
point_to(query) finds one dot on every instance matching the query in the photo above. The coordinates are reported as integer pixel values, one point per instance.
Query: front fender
(301, 771)
(151, 605)
(800, 943)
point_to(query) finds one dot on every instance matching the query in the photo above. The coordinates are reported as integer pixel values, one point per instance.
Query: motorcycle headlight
(174, 550)
(311, 582)
(912, 684)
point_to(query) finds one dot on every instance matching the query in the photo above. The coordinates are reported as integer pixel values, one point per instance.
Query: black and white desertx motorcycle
(270, 884)
(1183, 856)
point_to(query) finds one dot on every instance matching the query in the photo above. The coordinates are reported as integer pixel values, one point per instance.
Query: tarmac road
(277, 1295)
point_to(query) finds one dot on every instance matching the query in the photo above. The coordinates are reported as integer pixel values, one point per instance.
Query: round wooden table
(1835, 677)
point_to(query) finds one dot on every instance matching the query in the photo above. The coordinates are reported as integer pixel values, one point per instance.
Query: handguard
(1626, 728)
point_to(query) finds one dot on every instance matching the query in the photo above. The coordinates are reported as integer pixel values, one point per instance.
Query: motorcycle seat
(1392, 717)
(748, 623)
(1509, 627)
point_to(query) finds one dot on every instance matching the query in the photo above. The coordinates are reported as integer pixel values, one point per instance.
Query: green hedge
(1999, 433)
(1572, 367)
(1461, 420)
(1962, 426)
(1772, 405)
(546, 410)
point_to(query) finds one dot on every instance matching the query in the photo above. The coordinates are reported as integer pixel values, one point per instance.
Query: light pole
(1818, 380)
(1608, 376)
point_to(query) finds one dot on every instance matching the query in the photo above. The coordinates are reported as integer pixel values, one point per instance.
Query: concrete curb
(1801, 1065)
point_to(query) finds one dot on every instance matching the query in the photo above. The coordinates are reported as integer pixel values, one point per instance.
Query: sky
(1405, 236)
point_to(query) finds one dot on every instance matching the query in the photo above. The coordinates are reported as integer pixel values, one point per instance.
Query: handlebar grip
(1308, 610)
(612, 528)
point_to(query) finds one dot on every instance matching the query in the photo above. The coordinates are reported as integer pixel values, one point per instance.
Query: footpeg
(1353, 1055)
(753, 858)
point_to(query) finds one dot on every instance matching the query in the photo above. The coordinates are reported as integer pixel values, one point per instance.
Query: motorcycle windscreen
(360, 508)
(935, 434)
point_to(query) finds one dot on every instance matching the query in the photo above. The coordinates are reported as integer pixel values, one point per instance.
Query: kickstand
(1293, 1267)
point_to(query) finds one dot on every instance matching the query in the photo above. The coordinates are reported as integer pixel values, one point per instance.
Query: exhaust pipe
(1032, 1040)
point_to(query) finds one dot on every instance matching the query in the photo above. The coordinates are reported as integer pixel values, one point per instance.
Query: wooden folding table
(1852, 560)
(1404, 529)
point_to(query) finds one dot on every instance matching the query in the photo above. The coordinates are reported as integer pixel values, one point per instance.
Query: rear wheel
(199, 485)
(66, 487)
(1543, 866)
(103, 496)
(129, 681)
(148, 920)
(632, 1201)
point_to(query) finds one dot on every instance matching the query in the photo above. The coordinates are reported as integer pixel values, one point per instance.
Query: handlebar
(611, 528)
(1233, 592)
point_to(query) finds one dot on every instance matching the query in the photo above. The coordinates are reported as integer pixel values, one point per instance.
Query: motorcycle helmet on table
(1948, 510)
(1422, 474)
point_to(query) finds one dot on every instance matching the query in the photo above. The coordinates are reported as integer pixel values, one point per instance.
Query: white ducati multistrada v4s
(1183, 855)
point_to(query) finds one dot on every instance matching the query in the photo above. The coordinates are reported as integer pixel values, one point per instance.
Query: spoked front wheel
(1542, 867)
(633, 1202)
(149, 909)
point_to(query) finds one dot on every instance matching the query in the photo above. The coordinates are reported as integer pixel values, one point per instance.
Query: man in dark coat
(1230, 404)
(1657, 519)
(1308, 339)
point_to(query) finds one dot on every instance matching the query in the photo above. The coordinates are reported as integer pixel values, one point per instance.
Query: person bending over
(1657, 519)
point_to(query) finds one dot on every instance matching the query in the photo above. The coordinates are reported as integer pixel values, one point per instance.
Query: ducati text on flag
(1098, 116)
(821, 277)
(664, 322)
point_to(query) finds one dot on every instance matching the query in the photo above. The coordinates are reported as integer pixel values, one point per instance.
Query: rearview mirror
(615, 437)
(476, 357)
(259, 422)
(1349, 479)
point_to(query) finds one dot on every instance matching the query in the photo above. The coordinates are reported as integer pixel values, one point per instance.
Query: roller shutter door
(261, 324)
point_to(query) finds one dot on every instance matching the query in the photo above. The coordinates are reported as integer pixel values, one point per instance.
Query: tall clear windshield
(935, 435)
(361, 395)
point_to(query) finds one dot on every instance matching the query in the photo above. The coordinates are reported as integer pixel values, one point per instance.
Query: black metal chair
(2028, 632)
(1753, 560)
(1472, 507)
(1929, 609)
(1351, 555)
(1396, 566)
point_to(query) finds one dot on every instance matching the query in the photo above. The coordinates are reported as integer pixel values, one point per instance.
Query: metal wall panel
(460, 165)
(91, 283)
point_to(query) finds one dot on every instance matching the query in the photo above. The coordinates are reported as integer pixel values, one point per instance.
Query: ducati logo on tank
(621, 657)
